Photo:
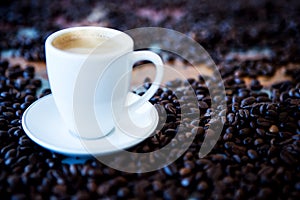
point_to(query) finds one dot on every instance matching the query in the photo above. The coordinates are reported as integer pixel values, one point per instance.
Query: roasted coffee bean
(245, 131)
(240, 150)
(273, 129)
(185, 182)
(20, 83)
(12, 130)
(123, 192)
(170, 170)
(263, 99)
(10, 154)
(252, 154)
(36, 82)
(170, 108)
(229, 145)
(24, 105)
(247, 141)
(18, 113)
(288, 157)
(29, 99)
(265, 193)
(263, 122)
(228, 136)
(8, 115)
(184, 171)
(16, 105)
(202, 186)
(255, 85)
(198, 130)
(248, 101)
(243, 113)
(157, 186)
(232, 118)
(5, 95)
(29, 69)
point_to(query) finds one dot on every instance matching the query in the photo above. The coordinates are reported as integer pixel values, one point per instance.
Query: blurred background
(221, 27)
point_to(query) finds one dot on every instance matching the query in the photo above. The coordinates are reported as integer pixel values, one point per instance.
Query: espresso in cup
(84, 42)
(84, 64)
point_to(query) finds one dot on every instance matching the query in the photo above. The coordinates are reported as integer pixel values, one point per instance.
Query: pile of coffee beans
(256, 156)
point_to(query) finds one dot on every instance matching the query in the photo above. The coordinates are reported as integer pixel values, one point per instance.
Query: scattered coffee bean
(252, 154)
(273, 129)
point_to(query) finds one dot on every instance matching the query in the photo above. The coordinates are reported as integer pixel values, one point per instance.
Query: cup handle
(137, 56)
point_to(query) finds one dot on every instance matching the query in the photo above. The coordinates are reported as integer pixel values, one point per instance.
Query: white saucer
(43, 124)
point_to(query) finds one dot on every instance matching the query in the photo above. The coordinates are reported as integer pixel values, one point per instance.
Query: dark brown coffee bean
(252, 154)
(157, 186)
(189, 164)
(229, 145)
(260, 99)
(30, 69)
(184, 171)
(15, 122)
(170, 170)
(5, 95)
(186, 182)
(273, 129)
(123, 192)
(59, 189)
(248, 101)
(188, 156)
(20, 83)
(19, 113)
(243, 113)
(244, 131)
(227, 136)
(10, 154)
(14, 181)
(263, 122)
(232, 118)
(10, 161)
(198, 130)
(8, 115)
(170, 108)
(36, 82)
(29, 99)
(265, 193)
(287, 157)
(12, 130)
(247, 141)
(24, 106)
(296, 137)
(255, 85)
(240, 150)
(202, 186)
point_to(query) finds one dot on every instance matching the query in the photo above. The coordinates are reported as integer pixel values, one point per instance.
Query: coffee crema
(85, 42)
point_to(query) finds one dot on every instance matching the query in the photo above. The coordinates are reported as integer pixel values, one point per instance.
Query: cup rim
(54, 35)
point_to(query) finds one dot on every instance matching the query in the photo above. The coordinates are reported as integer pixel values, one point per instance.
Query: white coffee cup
(84, 64)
